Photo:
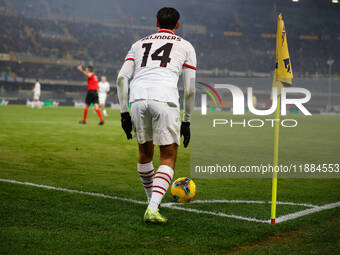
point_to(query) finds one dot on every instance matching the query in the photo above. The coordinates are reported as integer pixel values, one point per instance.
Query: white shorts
(156, 121)
(102, 98)
(36, 96)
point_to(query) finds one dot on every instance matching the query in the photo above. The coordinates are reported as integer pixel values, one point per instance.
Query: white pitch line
(75, 191)
(299, 214)
(132, 200)
(228, 201)
(214, 213)
(221, 201)
(287, 217)
(296, 204)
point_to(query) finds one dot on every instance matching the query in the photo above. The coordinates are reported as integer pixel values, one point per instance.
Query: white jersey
(104, 87)
(36, 89)
(159, 59)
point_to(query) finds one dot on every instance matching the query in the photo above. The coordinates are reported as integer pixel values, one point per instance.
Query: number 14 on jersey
(156, 56)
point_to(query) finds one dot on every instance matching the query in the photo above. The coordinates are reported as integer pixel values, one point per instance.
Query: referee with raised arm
(92, 93)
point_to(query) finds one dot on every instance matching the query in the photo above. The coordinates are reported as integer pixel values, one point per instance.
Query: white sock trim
(166, 173)
(145, 167)
(166, 168)
(146, 173)
(161, 182)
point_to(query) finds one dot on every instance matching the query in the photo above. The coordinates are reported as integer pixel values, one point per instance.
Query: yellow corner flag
(283, 75)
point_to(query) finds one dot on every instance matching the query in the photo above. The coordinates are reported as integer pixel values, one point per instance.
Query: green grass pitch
(48, 146)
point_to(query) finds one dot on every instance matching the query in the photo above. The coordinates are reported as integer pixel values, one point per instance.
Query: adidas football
(183, 190)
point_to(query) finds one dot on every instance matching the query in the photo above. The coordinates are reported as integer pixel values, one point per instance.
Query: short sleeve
(190, 60)
(130, 55)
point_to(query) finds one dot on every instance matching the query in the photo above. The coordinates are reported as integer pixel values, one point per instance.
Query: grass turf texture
(48, 146)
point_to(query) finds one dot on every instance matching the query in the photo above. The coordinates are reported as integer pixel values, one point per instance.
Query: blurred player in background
(36, 93)
(92, 93)
(156, 61)
(104, 88)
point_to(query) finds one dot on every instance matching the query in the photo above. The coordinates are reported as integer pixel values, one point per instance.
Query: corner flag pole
(283, 76)
(275, 159)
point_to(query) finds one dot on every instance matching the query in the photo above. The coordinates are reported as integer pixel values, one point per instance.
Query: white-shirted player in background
(36, 93)
(156, 62)
(104, 88)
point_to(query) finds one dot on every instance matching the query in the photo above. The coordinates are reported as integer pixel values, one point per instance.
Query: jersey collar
(166, 31)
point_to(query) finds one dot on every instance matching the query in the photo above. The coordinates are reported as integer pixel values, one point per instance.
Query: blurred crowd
(32, 31)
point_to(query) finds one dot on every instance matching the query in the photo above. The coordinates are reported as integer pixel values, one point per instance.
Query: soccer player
(92, 94)
(156, 61)
(104, 88)
(36, 93)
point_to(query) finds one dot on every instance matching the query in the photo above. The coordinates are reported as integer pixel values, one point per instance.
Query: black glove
(185, 131)
(126, 124)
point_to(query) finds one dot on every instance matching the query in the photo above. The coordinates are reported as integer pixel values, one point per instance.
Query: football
(183, 190)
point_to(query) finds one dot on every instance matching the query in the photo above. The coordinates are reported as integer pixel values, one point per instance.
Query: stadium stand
(48, 39)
